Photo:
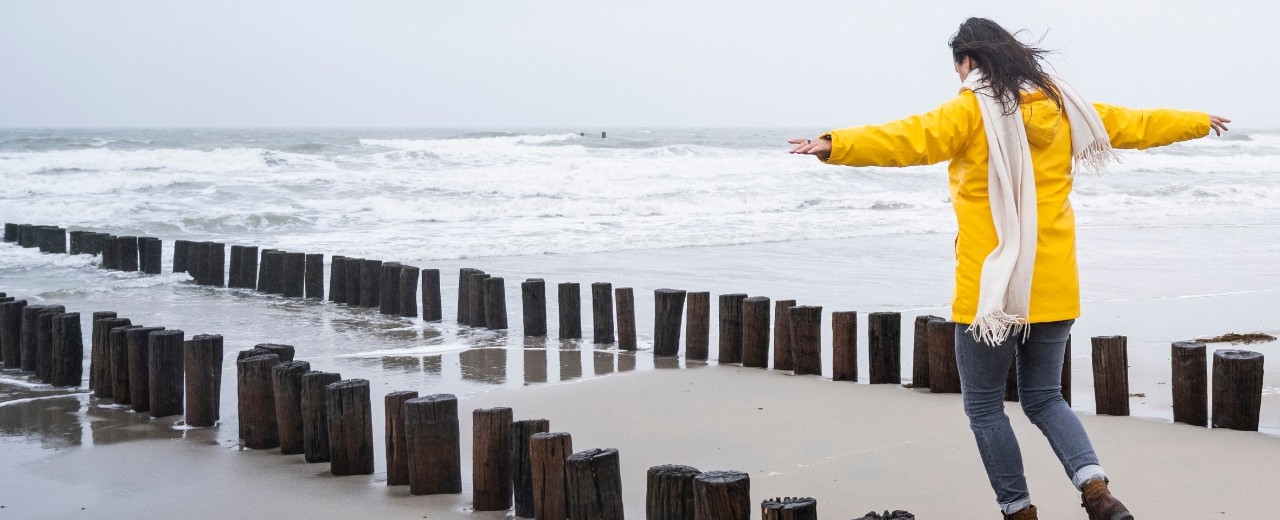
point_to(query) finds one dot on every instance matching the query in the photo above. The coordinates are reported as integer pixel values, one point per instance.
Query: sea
(1175, 242)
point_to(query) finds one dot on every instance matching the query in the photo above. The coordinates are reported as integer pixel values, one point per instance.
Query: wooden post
(235, 273)
(396, 441)
(594, 485)
(920, 351)
(118, 351)
(570, 311)
(337, 280)
(626, 306)
(197, 262)
(100, 372)
(10, 232)
(844, 346)
(431, 310)
(314, 276)
(669, 492)
(491, 459)
(44, 342)
(944, 374)
(723, 495)
(350, 427)
(138, 360)
(464, 294)
(202, 361)
(1111, 375)
(602, 313)
(127, 246)
(1237, 389)
(806, 340)
(152, 252)
(248, 267)
(1190, 383)
(549, 452)
(256, 401)
(435, 453)
(315, 415)
(370, 283)
(409, 291)
(789, 509)
(389, 288)
(285, 352)
(782, 355)
(533, 295)
(30, 337)
(164, 372)
(698, 330)
(271, 277)
(755, 332)
(77, 241)
(181, 250)
(522, 463)
(286, 380)
(110, 253)
(217, 274)
(478, 310)
(668, 309)
(884, 346)
(68, 351)
(11, 333)
(352, 268)
(731, 328)
(495, 302)
(294, 275)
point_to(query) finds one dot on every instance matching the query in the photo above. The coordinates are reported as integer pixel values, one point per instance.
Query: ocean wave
(485, 141)
(222, 160)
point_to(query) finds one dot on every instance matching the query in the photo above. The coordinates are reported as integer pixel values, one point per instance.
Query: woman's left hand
(1218, 124)
(821, 148)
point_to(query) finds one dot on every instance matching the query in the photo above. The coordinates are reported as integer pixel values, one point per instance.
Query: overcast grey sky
(507, 63)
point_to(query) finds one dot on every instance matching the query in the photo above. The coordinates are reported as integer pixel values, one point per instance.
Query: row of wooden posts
(744, 323)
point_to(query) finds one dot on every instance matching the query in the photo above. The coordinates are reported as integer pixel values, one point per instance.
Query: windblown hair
(1007, 64)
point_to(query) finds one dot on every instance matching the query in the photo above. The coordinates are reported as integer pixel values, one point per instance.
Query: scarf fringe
(995, 328)
(1095, 157)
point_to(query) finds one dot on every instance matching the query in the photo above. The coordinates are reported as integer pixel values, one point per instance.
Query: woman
(1013, 136)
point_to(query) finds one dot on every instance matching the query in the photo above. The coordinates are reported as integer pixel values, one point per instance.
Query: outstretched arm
(926, 138)
(1147, 128)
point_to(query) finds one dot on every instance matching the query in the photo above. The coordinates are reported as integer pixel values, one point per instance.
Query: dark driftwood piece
(549, 452)
(669, 492)
(165, 372)
(722, 495)
(844, 346)
(668, 308)
(731, 328)
(286, 382)
(522, 463)
(491, 473)
(884, 347)
(625, 300)
(1237, 389)
(315, 415)
(396, 441)
(256, 401)
(203, 365)
(593, 483)
(602, 313)
(1190, 383)
(806, 340)
(944, 374)
(350, 427)
(1111, 375)
(433, 439)
(533, 295)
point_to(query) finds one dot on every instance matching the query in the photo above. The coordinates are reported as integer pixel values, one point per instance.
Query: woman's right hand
(820, 148)
(1218, 124)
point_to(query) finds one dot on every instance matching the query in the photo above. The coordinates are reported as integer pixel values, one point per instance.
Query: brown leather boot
(1098, 502)
(1029, 513)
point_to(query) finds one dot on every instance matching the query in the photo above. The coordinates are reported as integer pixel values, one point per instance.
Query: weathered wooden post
(1111, 375)
(44, 342)
(395, 437)
(668, 308)
(475, 286)
(789, 508)
(522, 463)
(464, 294)
(152, 253)
(370, 283)
(248, 267)
(433, 438)
(944, 374)
(127, 249)
(110, 253)
(782, 354)
(100, 371)
(350, 427)
(294, 272)
(844, 346)
(337, 280)
(806, 340)
(77, 241)
(570, 310)
(669, 492)
(57, 241)
(549, 452)
(352, 266)
(256, 401)
(165, 372)
(235, 267)
(11, 333)
(409, 291)
(594, 485)
(271, 278)
(138, 360)
(1237, 389)
(181, 251)
(723, 495)
(315, 415)
(602, 313)
(68, 351)
(389, 288)
(202, 361)
(755, 332)
(920, 351)
(431, 309)
(10, 232)
(731, 328)
(30, 336)
(1190, 383)
(533, 295)
(118, 351)
(198, 262)
(217, 264)
(626, 308)
(286, 382)
(491, 474)
(314, 276)
(884, 347)
(495, 303)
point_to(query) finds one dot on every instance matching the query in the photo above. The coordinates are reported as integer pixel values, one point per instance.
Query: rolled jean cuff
(1088, 474)
(1015, 506)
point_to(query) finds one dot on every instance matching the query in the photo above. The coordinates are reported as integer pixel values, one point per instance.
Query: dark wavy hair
(1007, 63)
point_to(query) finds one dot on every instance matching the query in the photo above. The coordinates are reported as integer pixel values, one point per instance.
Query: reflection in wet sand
(666, 362)
(626, 361)
(431, 365)
(535, 365)
(603, 362)
(570, 364)
(111, 424)
(54, 421)
(406, 364)
(484, 365)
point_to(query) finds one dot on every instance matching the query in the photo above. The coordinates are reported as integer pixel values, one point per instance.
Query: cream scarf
(1004, 297)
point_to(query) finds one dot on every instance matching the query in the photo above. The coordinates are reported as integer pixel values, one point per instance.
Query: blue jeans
(983, 371)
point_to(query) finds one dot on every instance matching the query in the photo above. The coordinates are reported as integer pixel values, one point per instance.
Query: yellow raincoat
(954, 132)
